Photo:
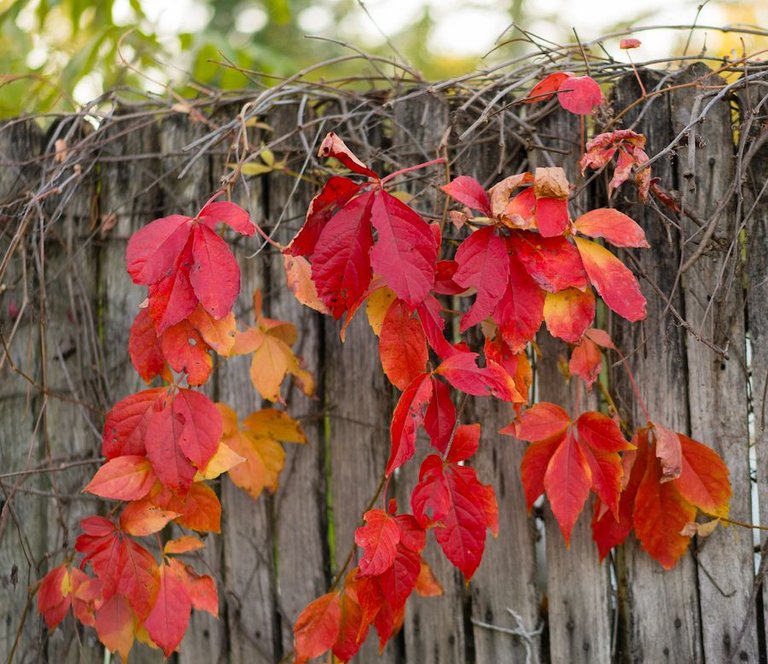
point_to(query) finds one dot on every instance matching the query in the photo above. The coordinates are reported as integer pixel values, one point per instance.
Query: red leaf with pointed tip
(405, 252)
(412, 535)
(601, 433)
(352, 629)
(541, 421)
(553, 262)
(432, 323)
(167, 623)
(568, 313)
(552, 216)
(704, 478)
(612, 280)
(169, 462)
(616, 227)
(462, 372)
(465, 443)
(153, 250)
(186, 351)
(145, 351)
(546, 88)
(469, 192)
(484, 266)
(533, 467)
(333, 146)
(201, 589)
(224, 212)
(399, 579)
(171, 300)
(406, 420)
(586, 361)
(128, 477)
(201, 426)
(126, 424)
(378, 538)
(579, 94)
(214, 275)
(335, 194)
(402, 346)
(567, 483)
(137, 577)
(440, 415)
(317, 627)
(116, 624)
(341, 267)
(444, 283)
(520, 310)
(52, 597)
(660, 513)
(606, 473)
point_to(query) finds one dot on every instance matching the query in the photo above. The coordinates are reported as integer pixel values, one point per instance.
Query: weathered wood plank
(22, 515)
(300, 507)
(717, 386)
(659, 611)
(578, 605)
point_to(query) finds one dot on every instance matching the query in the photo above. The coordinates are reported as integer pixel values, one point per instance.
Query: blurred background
(56, 55)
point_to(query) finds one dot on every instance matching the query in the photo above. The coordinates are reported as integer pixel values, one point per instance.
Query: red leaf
(461, 371)
(569, 313)
(214, 275)
(546, 88)
(399, 579)
(703, 481)
(586, 361)
(669, 452)
(432, 323)
(534, 466)
(378, 539)
(171, 300)
(402, 346)
(126, 424)
(145, 351)
(444, 283)
(170, 464)
(541, 421)
(167, 623)
(567, 483)
(465, 443)
(469, 192)
(53, 596)
(601, 433)
(606, 472)
(483, 265)
(406, 420)
(440, 415)
(552, 216)
(405, 252)
(341, 266)
(201, 426)
(335, 194)
(629, 43)
(579, 94)
(153, 250)
(186, 351)
(352, 629)
(141, 518)
(137, 577)
(128, 477)
(613, 280)
(333, 146)
(553, 262)
(224, 212)
(616, 227)
(520, 310)
(116, 625)
(200, 589)
(317, 627)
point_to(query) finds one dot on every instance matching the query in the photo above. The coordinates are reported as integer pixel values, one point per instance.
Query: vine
(523, 260)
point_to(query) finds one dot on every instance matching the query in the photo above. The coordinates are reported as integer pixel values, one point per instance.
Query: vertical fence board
(717, 387)
(299, 505)
(21, 543)
(578, 605)
(659, 610)
(756, 220)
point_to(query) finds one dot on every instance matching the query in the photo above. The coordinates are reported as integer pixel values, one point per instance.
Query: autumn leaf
(520, 311)
(616, 227)
(568, 313)
(333, 146)
(317, 627)
(408, 417)
(402, 346)
(145, 351)
(469, 192)
(128, 477)
(579, 94)
(142, 517)
(378, 538)
(553, 262)
(185, 350)
(116, 624)
(168, 620)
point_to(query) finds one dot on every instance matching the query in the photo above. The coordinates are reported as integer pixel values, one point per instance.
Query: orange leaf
(116, 624)
(703, 480)
(276, 424)
(142, 518)
(264, 460)
(183, 544)
(317, 627)
(616, 227)
(569, 313)
(298, 275)
(201, 589)
(669, 452)
(402, 346)
(427, 584)
(202, 511)
(218, 334)
(128, 477)
(586, 361)
(541, 421)
(613, 280)
(185, 350)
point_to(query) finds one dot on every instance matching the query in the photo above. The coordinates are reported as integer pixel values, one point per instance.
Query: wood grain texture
(578, 604)
(717, 386)
(659, 611)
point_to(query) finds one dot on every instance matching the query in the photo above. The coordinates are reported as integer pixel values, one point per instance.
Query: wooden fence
(72, 193)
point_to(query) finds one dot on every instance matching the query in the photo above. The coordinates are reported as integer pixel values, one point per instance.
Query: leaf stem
(439, 160)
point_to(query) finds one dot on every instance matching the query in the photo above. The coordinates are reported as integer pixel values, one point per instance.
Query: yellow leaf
(268, 157)
(218, 334)
(252, 168)
(264, 460)
(275, 424)
(223, 460)
(269, 366)
(377, 307)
